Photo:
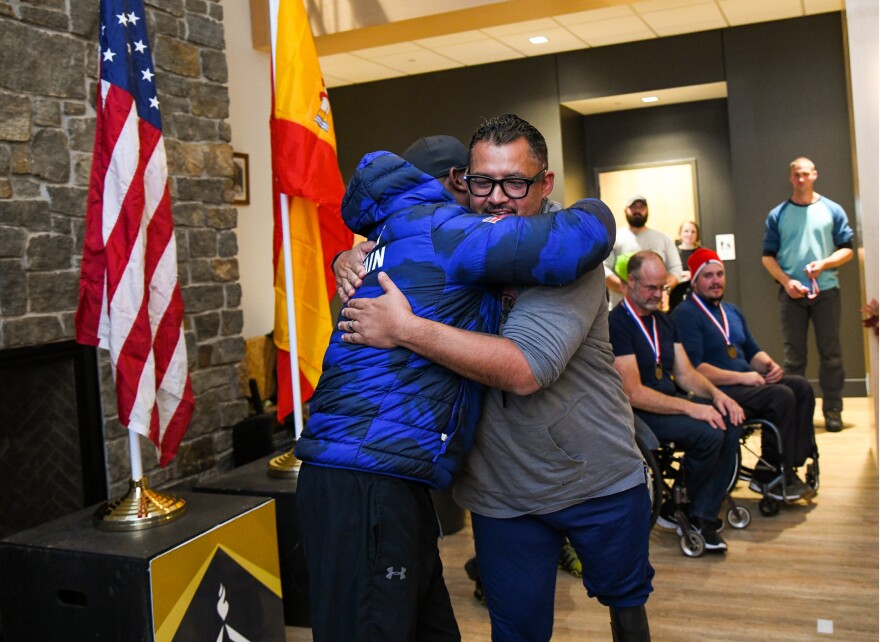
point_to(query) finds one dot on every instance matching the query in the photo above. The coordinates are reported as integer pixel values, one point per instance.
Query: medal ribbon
(655, 344)
(814, 292)
(725, 331)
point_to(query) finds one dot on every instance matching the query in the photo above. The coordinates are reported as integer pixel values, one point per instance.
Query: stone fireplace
(51, 442)
(48, 58)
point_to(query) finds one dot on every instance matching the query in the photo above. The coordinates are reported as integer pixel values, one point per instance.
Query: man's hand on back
(349, 271)
(379, 322)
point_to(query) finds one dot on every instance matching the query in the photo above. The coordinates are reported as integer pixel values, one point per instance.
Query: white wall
(862, 35)
(249, 108)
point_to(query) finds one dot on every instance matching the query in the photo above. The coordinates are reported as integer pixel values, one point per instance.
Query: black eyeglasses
(653, 289)
(480, 185)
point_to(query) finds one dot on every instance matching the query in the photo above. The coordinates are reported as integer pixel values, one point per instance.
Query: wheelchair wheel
(737, 469)
(655, 479)
(768, 506)
(739, 517)
(692, 544)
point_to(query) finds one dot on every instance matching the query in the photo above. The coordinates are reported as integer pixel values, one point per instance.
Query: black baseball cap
(435, 155)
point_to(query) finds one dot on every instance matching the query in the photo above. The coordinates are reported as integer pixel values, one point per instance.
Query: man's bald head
(646, 281)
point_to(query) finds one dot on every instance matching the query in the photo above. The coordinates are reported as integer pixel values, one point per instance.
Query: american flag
(130, 301)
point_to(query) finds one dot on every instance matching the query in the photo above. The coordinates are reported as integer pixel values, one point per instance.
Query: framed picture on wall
(241, 183)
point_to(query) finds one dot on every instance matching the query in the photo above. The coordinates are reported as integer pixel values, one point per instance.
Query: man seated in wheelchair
(672, 398)
(717, 340)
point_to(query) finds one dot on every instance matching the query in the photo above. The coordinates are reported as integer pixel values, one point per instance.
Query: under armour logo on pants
(401, 574)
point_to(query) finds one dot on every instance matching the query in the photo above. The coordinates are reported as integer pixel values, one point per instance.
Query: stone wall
(48, 77)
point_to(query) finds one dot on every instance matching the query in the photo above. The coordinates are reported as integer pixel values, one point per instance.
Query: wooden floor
(784, 576)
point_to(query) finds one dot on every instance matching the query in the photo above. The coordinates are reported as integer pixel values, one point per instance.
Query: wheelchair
(665, 467)
(749, 460)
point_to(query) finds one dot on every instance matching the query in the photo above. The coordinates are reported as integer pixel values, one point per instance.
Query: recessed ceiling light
(650, 99)
(538, 40)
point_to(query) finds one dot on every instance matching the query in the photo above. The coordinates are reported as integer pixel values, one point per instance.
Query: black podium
(211, 574)
(252, 479)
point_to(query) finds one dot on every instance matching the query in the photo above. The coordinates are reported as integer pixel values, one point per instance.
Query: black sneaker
(473, 572)
(764, 472)
(706, 528)
(794, 490)
(666, 518)
(797, 485)
(833, 421)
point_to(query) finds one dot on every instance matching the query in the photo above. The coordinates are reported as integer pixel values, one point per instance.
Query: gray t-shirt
(647, 239)
(572, 440)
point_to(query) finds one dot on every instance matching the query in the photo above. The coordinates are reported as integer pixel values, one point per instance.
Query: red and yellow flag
(304, 167)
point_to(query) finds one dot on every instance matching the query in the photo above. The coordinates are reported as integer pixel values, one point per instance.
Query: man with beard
(638, 236)
(718, 343)
(655, 369)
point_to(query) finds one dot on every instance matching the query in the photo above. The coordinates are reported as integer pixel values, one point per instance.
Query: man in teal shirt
(806, 238)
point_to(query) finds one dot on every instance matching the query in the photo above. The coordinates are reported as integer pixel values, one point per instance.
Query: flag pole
(134, 447)
(291, 317)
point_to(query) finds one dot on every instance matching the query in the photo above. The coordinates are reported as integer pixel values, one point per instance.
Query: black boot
(630, 624)
(473, 572)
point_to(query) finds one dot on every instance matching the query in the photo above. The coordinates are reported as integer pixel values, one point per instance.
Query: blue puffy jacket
(394, 412)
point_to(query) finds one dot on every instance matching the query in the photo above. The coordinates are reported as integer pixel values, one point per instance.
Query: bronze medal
(658, 371)
(731, 351)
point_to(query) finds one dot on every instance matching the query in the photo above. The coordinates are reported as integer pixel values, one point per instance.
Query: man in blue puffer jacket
(387, 425)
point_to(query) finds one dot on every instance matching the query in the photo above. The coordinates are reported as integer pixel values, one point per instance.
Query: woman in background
(688, 242)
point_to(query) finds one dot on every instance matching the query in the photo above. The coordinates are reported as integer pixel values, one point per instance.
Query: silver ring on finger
(351, 326)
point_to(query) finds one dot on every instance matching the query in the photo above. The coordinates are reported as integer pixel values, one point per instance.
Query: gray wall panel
(692, 59)
(574, 155)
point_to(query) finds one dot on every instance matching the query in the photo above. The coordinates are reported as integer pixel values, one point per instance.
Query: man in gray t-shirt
(638, 236)
(556, 447)
(555, 454)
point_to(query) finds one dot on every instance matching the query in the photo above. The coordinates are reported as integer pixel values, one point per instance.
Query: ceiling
(366, 40)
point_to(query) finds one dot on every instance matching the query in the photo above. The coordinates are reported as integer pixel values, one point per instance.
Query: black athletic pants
(790, 405)
(375, 573)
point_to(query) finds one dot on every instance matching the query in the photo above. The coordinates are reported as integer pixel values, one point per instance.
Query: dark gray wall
(686, 131)
(692, 59)
(787, 96)
(574, 155)
(391, 114)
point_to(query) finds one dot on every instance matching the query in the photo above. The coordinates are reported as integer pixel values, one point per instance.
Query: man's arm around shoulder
(388, 322)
